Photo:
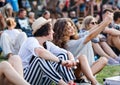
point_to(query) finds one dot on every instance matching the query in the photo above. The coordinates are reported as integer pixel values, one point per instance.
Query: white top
(77, 47)
(24, 23)
(27, 50)
(54, 49)
(12, 34)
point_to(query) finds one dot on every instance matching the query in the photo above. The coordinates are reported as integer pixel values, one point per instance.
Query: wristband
(60, 61)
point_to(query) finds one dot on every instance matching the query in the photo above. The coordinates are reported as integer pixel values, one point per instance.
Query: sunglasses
(93, 23)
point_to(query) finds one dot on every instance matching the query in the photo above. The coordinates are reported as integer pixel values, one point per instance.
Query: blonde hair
(10, 22)
(86, 22)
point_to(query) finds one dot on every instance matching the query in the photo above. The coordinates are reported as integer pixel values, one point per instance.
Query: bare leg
(15, 61)
(108, 50)
(109, 40)
(8, 71)
(99, 65)
(112, 60)
(97, 48)
(1, 78)
(85, 68)
(6, 82)
(116, 41)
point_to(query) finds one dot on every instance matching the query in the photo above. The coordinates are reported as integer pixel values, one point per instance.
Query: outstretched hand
(69, 63)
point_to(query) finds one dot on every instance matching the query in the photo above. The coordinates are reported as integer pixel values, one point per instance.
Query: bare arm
(70, 55)
(11, 74)
(43, 53)
(2, 22)
(112, 31)
(99, 28)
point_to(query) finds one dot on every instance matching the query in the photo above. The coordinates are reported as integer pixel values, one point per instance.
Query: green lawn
(108, 71)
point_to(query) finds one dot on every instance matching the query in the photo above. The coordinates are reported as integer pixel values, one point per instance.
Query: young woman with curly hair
(66, 36)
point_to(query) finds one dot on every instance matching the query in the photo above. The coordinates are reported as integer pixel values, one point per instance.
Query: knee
(82, 58)
(4, 65)
(15, 58)
(34, 59)
(104, 60)
(63, 56)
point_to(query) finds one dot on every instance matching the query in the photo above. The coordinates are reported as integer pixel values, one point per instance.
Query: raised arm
(99, 28)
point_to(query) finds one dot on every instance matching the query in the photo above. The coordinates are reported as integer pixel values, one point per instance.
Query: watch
(60, 61)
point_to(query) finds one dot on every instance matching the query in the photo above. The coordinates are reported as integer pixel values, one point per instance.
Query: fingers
(70, 63)
(109, 16)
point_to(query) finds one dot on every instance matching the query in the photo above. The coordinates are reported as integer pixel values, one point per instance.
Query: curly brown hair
(61, 34)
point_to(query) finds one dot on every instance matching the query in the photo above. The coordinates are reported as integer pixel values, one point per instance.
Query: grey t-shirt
(77, 47)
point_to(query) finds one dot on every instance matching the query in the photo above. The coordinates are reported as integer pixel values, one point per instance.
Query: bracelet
(60, 61)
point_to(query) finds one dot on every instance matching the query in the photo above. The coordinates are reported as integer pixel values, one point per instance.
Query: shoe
(118, 59)
(112, 61)
(97, 84)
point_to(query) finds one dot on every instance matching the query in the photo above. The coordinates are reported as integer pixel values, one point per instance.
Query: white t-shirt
(54, 49)
(27, 50)
(24, 23)
(77, 47)
(12, 34)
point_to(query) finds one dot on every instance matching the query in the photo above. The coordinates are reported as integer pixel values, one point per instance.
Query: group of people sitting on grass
(55, 52)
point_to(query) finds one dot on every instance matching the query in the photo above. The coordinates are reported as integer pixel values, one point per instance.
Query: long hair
(86, 22)
(61, 33)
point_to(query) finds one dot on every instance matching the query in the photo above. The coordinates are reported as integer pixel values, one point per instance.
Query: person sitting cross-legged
(11, 38)
(66, 37)
(43, 61)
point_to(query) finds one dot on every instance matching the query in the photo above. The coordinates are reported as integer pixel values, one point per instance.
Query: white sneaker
(112, 61)
(117, 59)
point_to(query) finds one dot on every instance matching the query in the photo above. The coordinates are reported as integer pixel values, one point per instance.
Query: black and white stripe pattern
(67, 74)
(43, 72)
(39, 67)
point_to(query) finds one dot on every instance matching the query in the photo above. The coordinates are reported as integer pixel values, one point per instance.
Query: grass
(1, 57)
(108, 71)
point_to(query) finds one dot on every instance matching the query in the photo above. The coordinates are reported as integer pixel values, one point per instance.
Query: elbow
(91, 36)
